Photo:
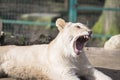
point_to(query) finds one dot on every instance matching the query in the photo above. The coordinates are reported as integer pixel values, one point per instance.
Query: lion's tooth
(87, 37)
(84, 36)
(80, 51)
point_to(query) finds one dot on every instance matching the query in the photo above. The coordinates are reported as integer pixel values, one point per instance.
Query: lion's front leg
(99, 75)
(70, 77)
(2, 73)
(66, 74)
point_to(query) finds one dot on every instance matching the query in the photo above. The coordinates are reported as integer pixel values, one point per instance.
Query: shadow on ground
(114, 74)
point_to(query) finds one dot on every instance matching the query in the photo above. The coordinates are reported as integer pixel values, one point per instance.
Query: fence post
(73, 10)
(1, 26)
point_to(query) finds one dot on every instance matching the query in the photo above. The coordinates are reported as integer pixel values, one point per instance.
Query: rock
(113, 42)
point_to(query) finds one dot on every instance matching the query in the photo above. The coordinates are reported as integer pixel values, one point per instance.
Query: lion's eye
(78, 27)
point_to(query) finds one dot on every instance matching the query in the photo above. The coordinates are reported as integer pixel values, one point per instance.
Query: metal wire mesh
(27, 17)
(18, 13)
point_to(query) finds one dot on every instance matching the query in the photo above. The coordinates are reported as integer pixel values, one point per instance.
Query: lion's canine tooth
(87, 37)
(84, 36)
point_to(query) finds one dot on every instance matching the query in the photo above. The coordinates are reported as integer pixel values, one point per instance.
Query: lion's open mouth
(79, 43)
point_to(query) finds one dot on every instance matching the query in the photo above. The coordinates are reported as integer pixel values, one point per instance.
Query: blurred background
(26, 22)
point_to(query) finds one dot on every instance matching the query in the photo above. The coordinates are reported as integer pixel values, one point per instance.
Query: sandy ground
(107, 61)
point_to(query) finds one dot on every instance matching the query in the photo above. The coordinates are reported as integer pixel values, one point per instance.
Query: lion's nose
(90, 32)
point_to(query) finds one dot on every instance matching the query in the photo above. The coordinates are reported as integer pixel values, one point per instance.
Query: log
(7, 79)
(101, 57)
(107, 61)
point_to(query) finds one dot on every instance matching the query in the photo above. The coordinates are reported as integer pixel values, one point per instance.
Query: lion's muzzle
(80, 41)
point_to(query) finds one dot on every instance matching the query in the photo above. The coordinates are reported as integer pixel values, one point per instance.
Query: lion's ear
(60, 23)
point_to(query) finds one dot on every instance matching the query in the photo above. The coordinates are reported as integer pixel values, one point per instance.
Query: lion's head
(73, 36)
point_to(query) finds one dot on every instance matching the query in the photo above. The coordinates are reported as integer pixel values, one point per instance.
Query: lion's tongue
(79, 47)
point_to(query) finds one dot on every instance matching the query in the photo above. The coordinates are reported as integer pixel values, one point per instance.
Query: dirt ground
(107, 61)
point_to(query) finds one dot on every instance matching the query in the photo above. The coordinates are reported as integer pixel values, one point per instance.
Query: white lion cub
(62, 59)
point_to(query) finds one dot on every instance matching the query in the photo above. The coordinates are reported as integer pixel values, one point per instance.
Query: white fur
(54, 61)
(100, 76)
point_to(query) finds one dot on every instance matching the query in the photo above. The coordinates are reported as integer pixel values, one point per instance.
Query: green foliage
(98, 27)
(113, 29)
